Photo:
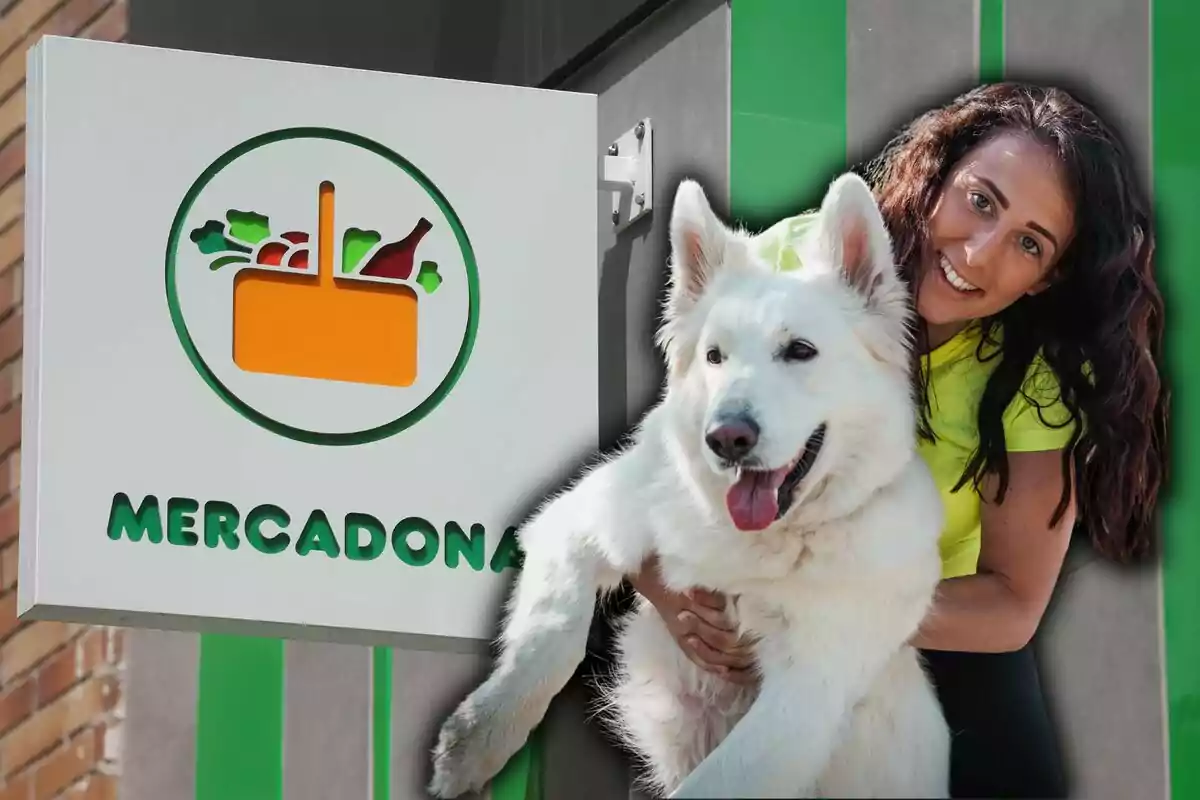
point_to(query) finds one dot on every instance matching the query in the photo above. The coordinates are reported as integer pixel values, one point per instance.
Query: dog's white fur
(833, 590)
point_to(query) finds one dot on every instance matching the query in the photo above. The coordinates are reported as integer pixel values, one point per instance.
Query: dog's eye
(799, 350)
(714, 356)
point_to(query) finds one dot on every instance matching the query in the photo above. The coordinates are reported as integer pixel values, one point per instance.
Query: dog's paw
(470, 751)
(455, 769)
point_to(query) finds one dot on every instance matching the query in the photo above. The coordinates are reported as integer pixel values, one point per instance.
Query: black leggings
(1003, 743)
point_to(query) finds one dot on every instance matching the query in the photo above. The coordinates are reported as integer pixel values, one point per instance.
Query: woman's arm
(999, 608)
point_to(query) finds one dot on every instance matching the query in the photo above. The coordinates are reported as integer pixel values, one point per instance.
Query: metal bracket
(628, 172)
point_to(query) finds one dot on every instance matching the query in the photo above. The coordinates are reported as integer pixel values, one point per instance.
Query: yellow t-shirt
(957, 378)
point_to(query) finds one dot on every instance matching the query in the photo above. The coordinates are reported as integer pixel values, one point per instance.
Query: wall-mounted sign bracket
(628, 173)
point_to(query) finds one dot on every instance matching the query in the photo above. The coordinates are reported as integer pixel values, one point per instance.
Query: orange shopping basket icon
(290, 323)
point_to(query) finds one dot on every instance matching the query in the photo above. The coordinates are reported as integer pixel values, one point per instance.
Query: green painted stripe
(991, 40)
(1176, 121)
(239, 719)
(787, 127)
(381, 723)
(536, 758)
(521, 778)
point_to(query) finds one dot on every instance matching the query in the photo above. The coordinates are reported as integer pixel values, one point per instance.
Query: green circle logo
(322, 286)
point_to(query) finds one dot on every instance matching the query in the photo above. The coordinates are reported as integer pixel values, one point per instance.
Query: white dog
(779, 467)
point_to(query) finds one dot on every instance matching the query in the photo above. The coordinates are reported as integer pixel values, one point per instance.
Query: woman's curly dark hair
(1102, 309)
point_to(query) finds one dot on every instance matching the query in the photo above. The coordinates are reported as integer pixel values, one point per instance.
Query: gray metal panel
(426, 687)
(675, 70)
(507, 41)
(159, 747)
(1100, 645)
(1099, 46)
(327, 721)
(1103, 674)
(579, 761)
(901, 59)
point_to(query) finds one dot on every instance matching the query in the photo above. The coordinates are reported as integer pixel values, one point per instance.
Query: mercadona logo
(322, 286)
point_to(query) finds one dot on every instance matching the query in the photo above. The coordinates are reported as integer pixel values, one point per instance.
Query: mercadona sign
(302, 344)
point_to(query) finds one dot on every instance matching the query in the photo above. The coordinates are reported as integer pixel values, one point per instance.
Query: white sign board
(302, 344)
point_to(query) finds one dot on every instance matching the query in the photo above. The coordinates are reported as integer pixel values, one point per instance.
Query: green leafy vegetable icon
(245, 238)
(248, 227)
(356, 243)
(210, 238)
(428, 277)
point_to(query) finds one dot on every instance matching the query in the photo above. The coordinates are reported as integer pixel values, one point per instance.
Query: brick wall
(60, 685)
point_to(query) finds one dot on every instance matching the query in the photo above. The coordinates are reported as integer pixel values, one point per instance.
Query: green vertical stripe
(381, 723)
(1176, 74)
(533, 788)
(991, 40)
(787, 126)
(521, 778)
(239, 719)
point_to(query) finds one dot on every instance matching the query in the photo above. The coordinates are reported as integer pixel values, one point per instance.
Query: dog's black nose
(732, 438)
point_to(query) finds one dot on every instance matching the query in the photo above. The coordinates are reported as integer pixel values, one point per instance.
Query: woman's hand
(697, 622)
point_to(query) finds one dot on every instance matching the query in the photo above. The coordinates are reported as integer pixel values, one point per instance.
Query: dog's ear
(698, 240)
(852, 238)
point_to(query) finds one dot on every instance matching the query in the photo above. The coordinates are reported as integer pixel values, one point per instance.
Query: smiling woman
(990, 249)
(1027, 247)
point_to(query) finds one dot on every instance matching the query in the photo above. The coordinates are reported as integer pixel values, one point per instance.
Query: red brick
(32, 645)
(10, 520)
(94, 787)
(11, 333)
(10, 428)
(19, 789)
(12, 472)
(12, 245)
(39, 734)
(16, 704)
(72, 664)
(69, 764)
(11, 287)
(114, 643)
(12, 122)
(8, 468)
(8, 615)
(12, 159)
(12, 196)
(16, 380)
(69, 20)
(23, 17)
(9, 567)
(111, 26)
(6, 385)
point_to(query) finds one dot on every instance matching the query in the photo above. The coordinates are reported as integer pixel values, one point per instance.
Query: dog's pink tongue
(753, 501)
